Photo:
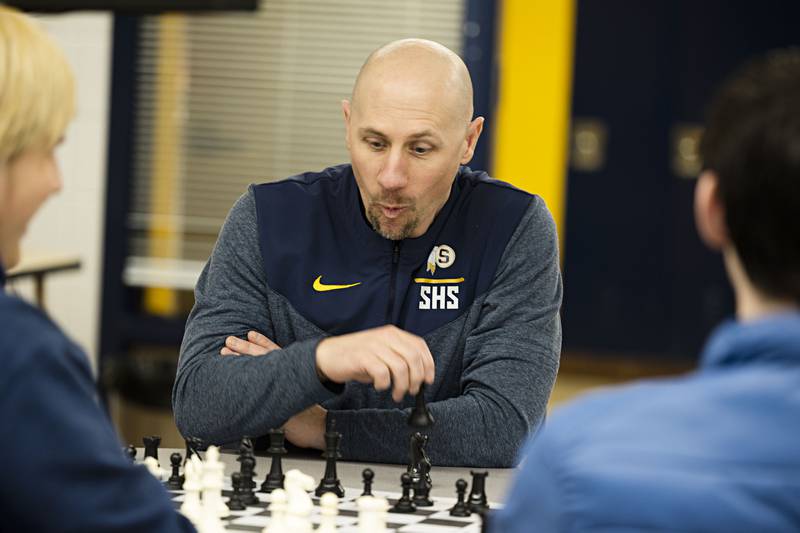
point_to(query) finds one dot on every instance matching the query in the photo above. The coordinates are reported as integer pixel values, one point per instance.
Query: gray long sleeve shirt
(490, 318)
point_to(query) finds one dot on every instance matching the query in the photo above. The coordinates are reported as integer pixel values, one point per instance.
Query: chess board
(434, 519)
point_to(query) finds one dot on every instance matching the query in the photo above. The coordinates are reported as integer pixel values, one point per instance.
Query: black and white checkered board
(434, 519)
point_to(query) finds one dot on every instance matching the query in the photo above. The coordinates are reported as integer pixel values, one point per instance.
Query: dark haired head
(752, 144)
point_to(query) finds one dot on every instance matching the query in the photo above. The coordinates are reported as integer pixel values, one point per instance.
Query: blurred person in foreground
(718, 449)
(64, 469)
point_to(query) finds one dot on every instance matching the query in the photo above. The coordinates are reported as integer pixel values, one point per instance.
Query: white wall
(72, 222)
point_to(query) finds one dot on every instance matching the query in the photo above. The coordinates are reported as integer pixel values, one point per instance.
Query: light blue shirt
(715, 450)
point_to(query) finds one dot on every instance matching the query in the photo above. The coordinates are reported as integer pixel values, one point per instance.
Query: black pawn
(420, 416)
(330, 481)
(274, 479)
(235, 501)
(460, 508)
(247, 484)
(130, 452)
(151, 446)
(477, 495)
(367, 475)
(175, 481)
(404, 504)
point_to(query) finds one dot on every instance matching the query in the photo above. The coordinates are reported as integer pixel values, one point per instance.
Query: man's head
(747, 200)
(36, 104)
(408, 128)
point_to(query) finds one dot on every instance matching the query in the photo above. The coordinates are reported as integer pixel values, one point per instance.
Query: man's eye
(375, 145)
(421, 150)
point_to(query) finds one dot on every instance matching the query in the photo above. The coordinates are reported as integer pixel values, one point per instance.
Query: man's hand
(256, 344)
(382, 356)
(307, 428)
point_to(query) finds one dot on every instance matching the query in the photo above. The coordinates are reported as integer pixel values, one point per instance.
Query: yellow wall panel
(535, 69)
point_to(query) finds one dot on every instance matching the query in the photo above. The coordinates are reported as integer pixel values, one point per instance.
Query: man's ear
(709, 213)
(346, 112)
(473, 133)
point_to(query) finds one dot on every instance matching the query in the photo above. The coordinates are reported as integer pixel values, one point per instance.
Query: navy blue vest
(312, 229)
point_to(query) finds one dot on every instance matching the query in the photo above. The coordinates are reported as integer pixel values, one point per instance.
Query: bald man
(333, 296)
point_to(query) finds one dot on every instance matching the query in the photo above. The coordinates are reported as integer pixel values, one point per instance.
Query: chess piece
(213, 475)
(300, 506)
(477, 494)
(367, 475)
(246, 450)
(486, 520)
(329, 508)
(422, 491)
(154, 468)
(246, 447)
(175, 481)
(372, 514)
(130, 452)
(330, 482)
(277, 512)
(460, 508)
(151, 446)
(248, 496)
(191, 507)
(420, 416)
(404, 504)
(193, 445)
(235, 501)
(274, 479)
(419, 469)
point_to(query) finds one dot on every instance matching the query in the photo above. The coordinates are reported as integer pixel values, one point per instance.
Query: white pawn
(372, 514)
(191, 507)
(154, 468)
(300, 507)
(329, 508)
(213, 475)
(277, 512)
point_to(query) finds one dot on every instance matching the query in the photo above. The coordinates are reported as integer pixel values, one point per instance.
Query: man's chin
(393, 230)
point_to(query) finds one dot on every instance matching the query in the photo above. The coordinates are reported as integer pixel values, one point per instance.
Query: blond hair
(37, 89)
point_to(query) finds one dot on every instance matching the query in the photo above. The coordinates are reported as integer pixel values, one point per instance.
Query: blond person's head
(37, 101)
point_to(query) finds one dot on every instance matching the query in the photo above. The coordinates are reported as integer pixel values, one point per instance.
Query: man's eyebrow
(423, 133)
(364, 132)
(371, 131)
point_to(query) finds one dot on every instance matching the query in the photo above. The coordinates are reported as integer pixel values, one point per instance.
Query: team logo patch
(442, 256)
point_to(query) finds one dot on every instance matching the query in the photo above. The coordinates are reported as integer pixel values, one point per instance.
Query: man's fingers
(416, 369)
(244, 347)
(417, 356)
(262, 340)
(227, 351)
(400, 374)
(427, 362)
(378, 373)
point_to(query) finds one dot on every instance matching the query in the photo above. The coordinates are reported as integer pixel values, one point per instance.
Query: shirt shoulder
(29, 337)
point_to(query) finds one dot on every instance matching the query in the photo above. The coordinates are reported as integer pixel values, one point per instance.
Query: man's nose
(394, 174)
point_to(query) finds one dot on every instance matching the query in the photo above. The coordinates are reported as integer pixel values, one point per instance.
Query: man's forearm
(475, 429)
(221, 398)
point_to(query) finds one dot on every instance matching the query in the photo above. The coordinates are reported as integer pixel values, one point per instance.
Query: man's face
(405, 147)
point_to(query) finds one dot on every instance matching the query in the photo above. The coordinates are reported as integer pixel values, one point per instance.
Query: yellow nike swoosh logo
(321, 287)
